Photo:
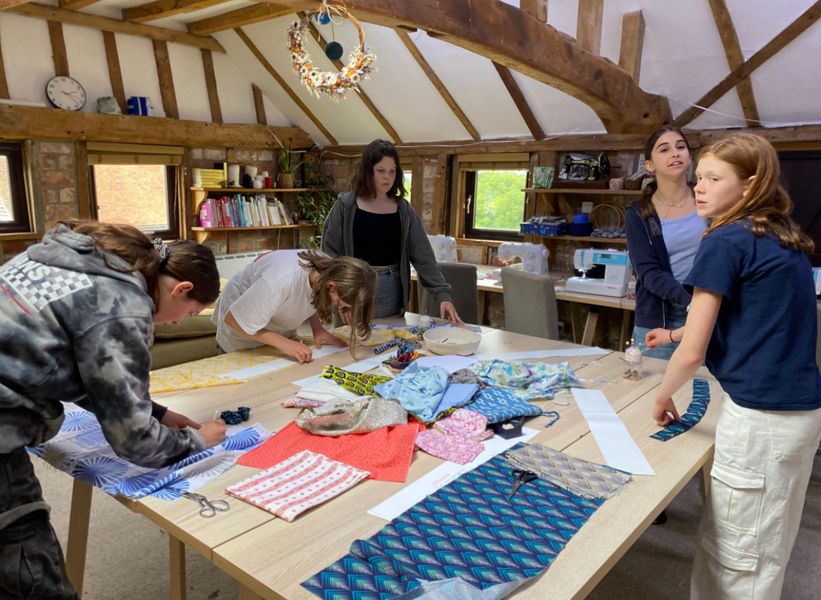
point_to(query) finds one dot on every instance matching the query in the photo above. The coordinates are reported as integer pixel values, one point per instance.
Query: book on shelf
(239, 210)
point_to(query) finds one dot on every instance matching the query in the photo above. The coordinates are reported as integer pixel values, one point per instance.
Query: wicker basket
(607, 216)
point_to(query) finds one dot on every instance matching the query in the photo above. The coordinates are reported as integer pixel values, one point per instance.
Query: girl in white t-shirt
(264, 303)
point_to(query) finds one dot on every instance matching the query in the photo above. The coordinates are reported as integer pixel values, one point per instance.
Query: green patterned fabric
(358, 383)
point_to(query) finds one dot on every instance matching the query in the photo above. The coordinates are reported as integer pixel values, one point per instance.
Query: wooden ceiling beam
(115, 73)
(239, 18)
(742, 72)
(76, 4)
(211, 86)
(588, 25)
(160, 9)
(58, 48)
(52, 13)
(506, 35)
(282, 83)
(632, 43)
(24, 122)
(438, 84)
(366, 100)
(4, 86)
(535, 8)
(4, 4)
(732, 49)
(167, 91)
(259, 105)
(519, 100)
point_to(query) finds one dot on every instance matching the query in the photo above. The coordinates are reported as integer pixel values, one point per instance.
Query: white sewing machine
(609, 280)
(534, 256)
(444, 247)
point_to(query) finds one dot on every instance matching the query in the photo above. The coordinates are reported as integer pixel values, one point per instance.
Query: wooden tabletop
(271, 557)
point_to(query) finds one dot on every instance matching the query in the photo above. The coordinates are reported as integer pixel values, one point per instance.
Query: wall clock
(65, 92)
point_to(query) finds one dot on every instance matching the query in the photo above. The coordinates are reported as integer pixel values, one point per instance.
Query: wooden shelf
(586, 191)
(255, 228)
(582, 238)
(235, 190)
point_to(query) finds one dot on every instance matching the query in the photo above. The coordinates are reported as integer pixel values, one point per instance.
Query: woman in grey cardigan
(376, 224)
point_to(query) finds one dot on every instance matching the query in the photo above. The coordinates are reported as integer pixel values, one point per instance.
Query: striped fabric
(297, 484)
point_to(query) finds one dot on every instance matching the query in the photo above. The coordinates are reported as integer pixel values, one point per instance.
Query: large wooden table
(270, 557)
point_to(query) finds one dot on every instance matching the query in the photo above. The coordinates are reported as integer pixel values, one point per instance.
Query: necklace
(672, 205)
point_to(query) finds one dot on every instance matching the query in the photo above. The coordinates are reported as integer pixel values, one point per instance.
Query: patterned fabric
(583, 478)
(696, 410)
(529, 380)
(339, 417)
(297, 484)
(361, 384)
(467, 529)
(419, 390)
(465, 376)
(500, 404)
(81, 450)
(385, 453)
(465, 423)
(454, 448)
(297, 402)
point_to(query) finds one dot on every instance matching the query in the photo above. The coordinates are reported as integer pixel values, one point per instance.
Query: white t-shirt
(272, 293)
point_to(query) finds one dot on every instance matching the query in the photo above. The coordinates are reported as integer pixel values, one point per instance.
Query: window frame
(173, 182)
(15, 156)
(469, 202)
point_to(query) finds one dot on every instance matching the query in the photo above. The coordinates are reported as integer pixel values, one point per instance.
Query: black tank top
(377, 237)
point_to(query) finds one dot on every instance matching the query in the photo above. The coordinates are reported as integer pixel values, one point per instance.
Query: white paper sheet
(279, 363)
(442, 475)
(452, 363)
(369, 363)
(617, 446)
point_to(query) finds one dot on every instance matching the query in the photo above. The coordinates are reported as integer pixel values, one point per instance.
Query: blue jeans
(675, 319)
(388, 292)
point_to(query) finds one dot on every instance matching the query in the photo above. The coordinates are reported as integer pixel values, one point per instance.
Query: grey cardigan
(337, 239)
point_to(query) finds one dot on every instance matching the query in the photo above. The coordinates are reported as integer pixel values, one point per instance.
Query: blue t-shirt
(763, 346)
(682, 237)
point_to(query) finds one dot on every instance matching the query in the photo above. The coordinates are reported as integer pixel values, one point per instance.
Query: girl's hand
(657, 337)
(326, 337)
(664, 411)
(299, 351)
(175, 420)
(213, 432)
(448, 311)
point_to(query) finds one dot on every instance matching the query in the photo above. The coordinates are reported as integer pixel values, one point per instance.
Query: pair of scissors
(208, 508)
(521, 477)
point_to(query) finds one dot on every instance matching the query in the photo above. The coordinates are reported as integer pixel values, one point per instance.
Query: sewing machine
(534, 256)
(606, 272)
(444, 247)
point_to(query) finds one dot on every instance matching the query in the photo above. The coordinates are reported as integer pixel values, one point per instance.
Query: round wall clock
(65, 92)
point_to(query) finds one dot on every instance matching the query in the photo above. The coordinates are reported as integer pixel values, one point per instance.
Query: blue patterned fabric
(468, 529)
(696, 410)
(500, 404)
(528, 381)
(81, 450)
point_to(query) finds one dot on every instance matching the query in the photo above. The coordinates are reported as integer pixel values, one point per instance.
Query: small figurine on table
(632, 356)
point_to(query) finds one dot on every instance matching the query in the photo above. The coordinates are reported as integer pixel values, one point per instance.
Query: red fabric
(386, 453)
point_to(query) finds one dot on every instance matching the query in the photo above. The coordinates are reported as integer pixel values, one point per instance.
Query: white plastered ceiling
(683, 58)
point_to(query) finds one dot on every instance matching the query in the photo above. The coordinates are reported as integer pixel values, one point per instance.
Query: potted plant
(287, 165)
(313, 207)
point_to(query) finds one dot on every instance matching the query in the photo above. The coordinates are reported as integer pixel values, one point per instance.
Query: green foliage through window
(500, 200)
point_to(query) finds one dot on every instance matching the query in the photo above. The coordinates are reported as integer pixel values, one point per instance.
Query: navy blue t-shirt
(763, 346)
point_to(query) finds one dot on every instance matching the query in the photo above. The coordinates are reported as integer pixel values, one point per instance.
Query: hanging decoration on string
(331, 83)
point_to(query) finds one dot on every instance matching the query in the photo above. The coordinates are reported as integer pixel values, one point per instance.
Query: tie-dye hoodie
(73, 329)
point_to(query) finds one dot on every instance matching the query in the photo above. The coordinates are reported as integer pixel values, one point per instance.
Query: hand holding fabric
(664, 411)
(213, 432)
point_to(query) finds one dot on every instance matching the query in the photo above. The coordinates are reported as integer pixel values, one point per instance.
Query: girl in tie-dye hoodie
(77, 313)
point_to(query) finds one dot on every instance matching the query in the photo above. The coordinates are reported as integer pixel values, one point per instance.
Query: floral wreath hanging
(334, 84)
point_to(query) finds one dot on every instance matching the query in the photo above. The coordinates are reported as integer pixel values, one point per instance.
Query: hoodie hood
(64, 248)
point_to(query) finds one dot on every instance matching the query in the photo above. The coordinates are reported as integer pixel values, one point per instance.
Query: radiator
(230, 264)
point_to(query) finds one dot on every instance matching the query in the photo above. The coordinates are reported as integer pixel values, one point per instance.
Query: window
(494, 200)
(137, 185)
(407, 178)
(14, 213)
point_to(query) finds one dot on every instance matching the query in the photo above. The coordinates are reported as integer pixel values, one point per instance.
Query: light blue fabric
(682, 237)
(456, 395)
(419, 390)
(527, 381)
(500, 404)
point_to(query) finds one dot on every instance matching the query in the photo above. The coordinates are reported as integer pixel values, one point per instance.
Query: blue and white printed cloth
(80, 449)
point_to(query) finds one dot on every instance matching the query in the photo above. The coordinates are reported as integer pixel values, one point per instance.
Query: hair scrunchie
(162, 250)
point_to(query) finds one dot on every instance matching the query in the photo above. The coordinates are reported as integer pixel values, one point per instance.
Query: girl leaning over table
(265, 303)
(76, 315)
(663, 234)
(753, 318)
(376, 224)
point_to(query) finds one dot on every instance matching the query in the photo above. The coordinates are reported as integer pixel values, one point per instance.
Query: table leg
(247, 594)
(78, 534)
(176, 568)
(624, 330)
(483, 302)
(590, 326)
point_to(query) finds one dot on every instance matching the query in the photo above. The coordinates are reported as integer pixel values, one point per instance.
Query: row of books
(208, 177)
(239, 210)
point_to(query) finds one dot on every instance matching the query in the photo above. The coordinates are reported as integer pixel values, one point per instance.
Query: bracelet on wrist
(672, 341)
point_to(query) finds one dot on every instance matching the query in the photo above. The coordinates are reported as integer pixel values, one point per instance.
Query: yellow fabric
(206, 372)
(378, 336)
